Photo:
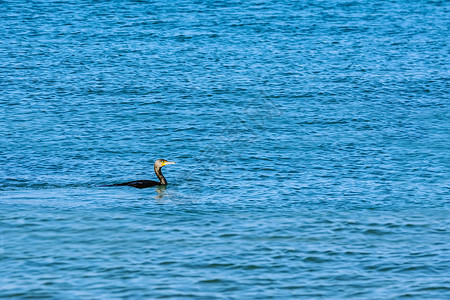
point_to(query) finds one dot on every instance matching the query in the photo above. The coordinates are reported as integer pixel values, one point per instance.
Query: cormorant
(140, 184)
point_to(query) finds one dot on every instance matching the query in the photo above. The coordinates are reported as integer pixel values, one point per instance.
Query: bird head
(162, 162)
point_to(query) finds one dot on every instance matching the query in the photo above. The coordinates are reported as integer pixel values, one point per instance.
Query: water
(311, 140)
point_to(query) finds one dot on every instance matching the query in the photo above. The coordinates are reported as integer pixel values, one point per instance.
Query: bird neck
(160, 176)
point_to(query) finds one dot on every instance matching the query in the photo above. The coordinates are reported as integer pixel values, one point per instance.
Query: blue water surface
(311, 141)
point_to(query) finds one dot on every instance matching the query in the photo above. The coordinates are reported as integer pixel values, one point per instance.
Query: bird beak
(168, 163)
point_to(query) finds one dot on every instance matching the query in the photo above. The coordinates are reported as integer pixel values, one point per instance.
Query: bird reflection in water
(162, 192)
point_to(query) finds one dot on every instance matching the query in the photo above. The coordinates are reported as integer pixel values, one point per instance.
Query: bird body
(141, 184)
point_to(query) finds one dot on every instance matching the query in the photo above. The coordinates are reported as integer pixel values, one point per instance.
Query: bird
(141, 184)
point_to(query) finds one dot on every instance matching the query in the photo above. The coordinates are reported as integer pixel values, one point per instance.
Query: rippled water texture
(311, 141)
